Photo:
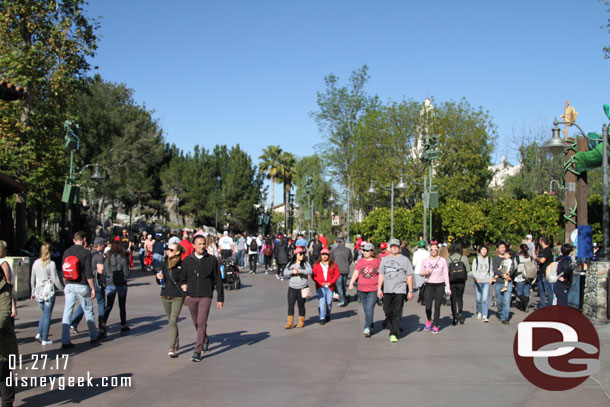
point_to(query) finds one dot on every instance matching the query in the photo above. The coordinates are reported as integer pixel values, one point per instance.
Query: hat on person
(394, 242)
(226, 233)
(199, 233)
(299, 249)
(174, 239)
(98, 241)
(117, 239)
(421, 243)
(529, 237)
(368, 246)
(383, 246)
(325, 251)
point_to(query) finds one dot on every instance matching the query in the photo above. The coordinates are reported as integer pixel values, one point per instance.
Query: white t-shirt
(324, 270)
(418, 257)
(225, 243)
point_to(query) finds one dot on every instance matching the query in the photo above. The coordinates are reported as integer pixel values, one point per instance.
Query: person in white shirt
(420, 254)
(252, 248)
(226, 245)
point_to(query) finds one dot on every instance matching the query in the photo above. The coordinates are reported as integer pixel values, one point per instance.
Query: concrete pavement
(253, 361)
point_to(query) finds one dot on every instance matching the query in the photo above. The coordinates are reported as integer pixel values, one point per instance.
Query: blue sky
(247, 72)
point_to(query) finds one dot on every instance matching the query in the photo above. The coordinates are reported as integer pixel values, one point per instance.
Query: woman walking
(298, 270)
(482, 273)
(172, 296)
(325, 275)
(564, 271)
(523, 285)
(116, 269)
(366, 272)
(435, 270)
(43, 283)
(458, 284)
(267, 251)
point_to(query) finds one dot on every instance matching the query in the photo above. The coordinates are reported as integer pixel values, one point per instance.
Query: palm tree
(269, 166)
(287, 171)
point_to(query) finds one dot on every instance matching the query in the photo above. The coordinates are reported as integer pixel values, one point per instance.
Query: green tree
(286, 174)
(313, 166)
(44, 46)
(269, 166)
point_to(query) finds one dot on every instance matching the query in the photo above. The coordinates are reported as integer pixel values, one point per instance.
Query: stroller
(229, 271)
(148, 260)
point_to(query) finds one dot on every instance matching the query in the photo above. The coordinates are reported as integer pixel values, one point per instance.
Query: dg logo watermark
(556, 348)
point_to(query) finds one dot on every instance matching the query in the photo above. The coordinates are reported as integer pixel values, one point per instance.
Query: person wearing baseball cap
(325, 275)
(395, 275)
(298, 270)
(383, 250)
(366, 273)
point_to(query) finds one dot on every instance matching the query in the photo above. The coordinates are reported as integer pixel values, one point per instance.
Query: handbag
(306, 292)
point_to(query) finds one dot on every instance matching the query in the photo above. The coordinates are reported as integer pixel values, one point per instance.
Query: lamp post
(331, 201)
(400, 185)
(556, 145)
(218, 186)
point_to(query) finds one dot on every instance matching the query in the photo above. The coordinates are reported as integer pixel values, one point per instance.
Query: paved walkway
(253, 361)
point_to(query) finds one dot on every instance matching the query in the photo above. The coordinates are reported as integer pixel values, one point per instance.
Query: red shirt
(383, 254)
(331, 277)
(324, 241)
(358, 243)
(188, 247)
(368, 274)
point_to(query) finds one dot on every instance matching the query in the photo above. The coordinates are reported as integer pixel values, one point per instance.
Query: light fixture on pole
(556, 144)
(400, 185)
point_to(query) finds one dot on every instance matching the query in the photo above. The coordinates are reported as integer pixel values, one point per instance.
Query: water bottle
(162, 283)
(222, 271)
(447, 296)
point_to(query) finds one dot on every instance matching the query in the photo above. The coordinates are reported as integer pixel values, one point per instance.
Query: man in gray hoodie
(342, 256)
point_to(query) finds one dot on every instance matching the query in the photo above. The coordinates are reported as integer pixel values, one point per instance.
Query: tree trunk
(272, 192)
(285, 210)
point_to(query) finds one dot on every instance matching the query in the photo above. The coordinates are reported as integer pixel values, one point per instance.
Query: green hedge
(479, 222)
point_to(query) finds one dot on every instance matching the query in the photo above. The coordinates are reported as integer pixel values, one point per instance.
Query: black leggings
(434, 292)
(457, 299)
(294, 295)
(252, 260)
(268, 261)
(280, 269)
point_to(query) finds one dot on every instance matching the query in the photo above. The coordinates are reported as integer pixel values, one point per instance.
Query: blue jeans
(523, 288)
(82, 294)
(481, 293)
(341, 286)
(100, 297)
(504, 299)
(45, 319)
(240, 257)
(545, 291)
(111, 292)
(369, 299)
(325, 302)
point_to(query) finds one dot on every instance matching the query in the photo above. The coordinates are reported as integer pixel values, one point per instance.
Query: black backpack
(457, 271)
(253, 245)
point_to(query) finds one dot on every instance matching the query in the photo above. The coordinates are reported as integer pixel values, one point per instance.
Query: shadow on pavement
(75, 395)
(225, 342)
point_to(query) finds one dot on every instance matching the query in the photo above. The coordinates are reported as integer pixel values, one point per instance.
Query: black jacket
(201, 275)
(172, 287)
(281, 252)
(565, 267)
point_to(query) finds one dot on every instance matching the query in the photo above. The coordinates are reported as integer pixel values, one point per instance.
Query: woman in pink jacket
(325, 275)
(436, 272)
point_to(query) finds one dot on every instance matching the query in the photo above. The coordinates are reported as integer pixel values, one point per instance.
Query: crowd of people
(188, 271)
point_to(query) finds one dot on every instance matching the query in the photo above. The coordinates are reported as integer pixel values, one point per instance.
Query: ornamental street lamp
(555, 145)
(400, 185)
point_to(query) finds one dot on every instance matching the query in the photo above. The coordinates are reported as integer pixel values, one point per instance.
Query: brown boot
(301, 323)
(290, 323)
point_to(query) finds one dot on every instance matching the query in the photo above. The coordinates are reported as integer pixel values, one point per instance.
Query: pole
(392, 212)
(311, 217)
(425, 207)
(430, 190)
(349, 197)
(605, 220)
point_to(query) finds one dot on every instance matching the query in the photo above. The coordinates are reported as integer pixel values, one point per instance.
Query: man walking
(395, 275)
(504, 268)
(280, 253)
(99, 282)
(80, 289)
(342, 256)
(226, 246)
(545, 291)
(201, 275)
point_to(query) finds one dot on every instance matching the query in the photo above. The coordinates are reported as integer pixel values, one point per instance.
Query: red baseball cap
(298, 250)
(325, 251)
(117, 239)
(383, 246)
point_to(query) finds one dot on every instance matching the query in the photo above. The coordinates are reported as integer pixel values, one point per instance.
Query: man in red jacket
(201, 273)
(186, 243)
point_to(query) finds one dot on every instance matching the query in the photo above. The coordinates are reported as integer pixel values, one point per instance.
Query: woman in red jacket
(325, 274)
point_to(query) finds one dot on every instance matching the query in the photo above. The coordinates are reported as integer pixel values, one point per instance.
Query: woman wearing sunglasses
(366, 273)
(298, 271)
(436, 272)
(172, 296)
(325, 274)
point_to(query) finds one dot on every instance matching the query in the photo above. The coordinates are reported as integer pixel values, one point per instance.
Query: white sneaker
(479, 315)
(277, 276)
(485, 319)
(44, 343)
(37, 338)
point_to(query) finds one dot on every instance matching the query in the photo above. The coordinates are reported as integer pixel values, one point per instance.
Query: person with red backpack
(78, 281)
(268, 253)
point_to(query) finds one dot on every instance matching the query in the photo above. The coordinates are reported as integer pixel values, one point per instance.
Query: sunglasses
(365, 250)
(171, 250)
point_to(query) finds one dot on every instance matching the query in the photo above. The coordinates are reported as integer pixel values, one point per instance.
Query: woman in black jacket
(116, 269)
(564, 270)
(172, 296)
